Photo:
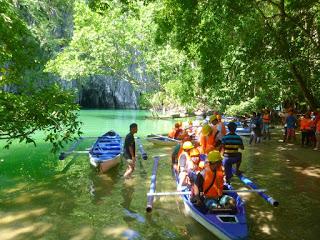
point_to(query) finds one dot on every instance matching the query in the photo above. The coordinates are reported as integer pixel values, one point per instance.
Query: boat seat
(223, 210)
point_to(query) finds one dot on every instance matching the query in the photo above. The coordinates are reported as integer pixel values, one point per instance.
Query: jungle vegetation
(232, 56)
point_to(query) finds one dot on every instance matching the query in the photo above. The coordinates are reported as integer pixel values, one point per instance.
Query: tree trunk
(287, 55)
(306, 92)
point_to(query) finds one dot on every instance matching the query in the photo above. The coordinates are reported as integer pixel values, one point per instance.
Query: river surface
(44, 198)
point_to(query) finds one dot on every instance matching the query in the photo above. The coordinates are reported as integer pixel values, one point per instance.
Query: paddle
(189, 192)
(153, 183)
(249, 183)
(143, 153)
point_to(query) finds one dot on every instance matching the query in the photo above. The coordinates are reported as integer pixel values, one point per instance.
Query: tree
(29, 99)
(247, 48)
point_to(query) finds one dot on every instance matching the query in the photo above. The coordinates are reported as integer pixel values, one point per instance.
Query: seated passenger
(183, 160)
(208, 139)
(194, 167)
(210, 184)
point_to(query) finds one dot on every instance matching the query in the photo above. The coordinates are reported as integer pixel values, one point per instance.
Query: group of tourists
(260, 126)
(206, 153)
(204, 160)
(308, 124)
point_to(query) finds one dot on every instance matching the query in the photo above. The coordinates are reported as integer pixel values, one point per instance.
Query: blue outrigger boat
(106, 151)
(223, 223)
(243, 128)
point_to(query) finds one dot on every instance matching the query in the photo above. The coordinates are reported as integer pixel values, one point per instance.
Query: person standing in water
(129, 150)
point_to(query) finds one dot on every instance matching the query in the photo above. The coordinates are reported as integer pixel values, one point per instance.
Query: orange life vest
(215, 189)
(175, 133)
(305, 124)
(266, 118)
(207, 143)
(222, 130)
(318, 126)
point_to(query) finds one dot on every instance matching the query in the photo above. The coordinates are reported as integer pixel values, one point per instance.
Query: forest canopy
(233, 56)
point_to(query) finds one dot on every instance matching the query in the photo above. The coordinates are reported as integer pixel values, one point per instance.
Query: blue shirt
(231, 144)
(291, 122)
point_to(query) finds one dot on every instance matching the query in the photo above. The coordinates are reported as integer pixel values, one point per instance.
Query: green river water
(44, 198)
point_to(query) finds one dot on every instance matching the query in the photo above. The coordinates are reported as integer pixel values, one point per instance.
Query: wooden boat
(162, 140)
(106, 151)
(223, 223)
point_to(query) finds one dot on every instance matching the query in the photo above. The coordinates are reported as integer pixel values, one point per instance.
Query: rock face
(106, 92)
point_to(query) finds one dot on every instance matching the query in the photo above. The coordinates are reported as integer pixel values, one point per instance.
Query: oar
(153, 183)
(143, 153)
(63, 155)
(249, 183)
(189, 192)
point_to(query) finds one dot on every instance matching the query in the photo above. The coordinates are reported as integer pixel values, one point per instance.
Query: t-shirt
(129, 141)
(231, 144)
(291, 121)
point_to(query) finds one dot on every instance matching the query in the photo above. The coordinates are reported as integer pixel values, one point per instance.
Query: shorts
(291, 132)
(266, 127)
(227, 163)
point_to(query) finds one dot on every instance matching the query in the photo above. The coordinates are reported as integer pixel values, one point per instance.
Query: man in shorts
(129, 150)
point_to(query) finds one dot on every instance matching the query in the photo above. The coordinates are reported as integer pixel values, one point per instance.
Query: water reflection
(101, 185)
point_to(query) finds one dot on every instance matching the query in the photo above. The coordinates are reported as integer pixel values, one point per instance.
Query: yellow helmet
(212, 118)
(206, 130)
(187, 145)
(194, 152)
(180, 123)
(214, 156)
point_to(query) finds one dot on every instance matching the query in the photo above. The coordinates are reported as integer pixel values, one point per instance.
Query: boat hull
(106, 152)
(105, 164)
(224, 225)
(161, 141)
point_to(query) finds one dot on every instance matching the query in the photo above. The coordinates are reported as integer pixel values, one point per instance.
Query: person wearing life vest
(176, 152)
(209, 185)
(183, 161)
(266, 119)
(221, 128)
(317, 123)
(176, 132)
(190, 129)
(208, 139)
(305, 128)
(193, 166)
(230, 151)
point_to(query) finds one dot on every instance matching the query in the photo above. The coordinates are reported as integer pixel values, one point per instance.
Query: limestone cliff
(107, 92)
